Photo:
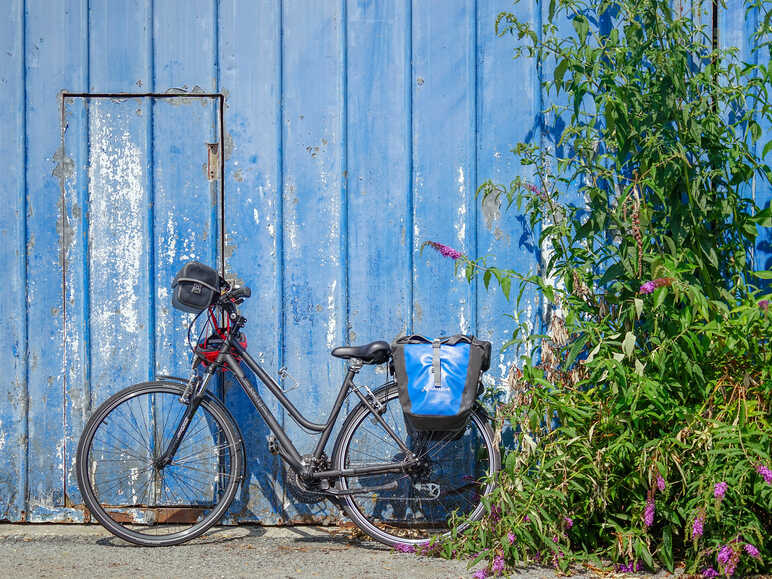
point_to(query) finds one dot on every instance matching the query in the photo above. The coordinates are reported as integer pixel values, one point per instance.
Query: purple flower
(647, 288)
(555, 539)
(764, 304)
(719, 490)
(426, 548)
(404, 548)
(724, 555)
(648, 513)
(526, 519)
(569, 522)
(631, 567)
(445, 250)
(764, 472)
(697, 527)
(480, 573)
(498, 564)
(650, 286)
(660, 482)
(709, 572)
(495, 513)
(511, 537)
(752, 551)
(727, 558)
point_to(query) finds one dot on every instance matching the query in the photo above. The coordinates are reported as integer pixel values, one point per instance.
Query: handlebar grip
(241, 292)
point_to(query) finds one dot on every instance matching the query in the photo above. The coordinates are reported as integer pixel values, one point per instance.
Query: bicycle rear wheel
(453, 476)
(129, 494)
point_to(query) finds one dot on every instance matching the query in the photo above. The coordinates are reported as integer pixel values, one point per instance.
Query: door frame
(219, 99)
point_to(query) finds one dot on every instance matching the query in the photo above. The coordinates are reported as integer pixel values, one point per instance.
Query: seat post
(355, 365)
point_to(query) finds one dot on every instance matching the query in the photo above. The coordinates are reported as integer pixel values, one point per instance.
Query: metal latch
(213, 161)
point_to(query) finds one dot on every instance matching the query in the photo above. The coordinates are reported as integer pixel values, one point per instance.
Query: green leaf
(592, 354)
(766, 274)
(767, 149)
(659, 296)
(487, 278)
(469, 271)
(560, 70)
(576, 348)
(667, 548)
(510, 462)
(506, 285)
(549, 293)
(628, 344)
(764, 217)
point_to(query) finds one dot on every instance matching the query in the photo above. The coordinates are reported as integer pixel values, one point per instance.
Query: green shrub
(642, 417)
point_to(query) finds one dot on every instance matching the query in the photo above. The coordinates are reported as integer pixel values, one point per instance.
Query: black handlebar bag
(438, 379)
(195, 287)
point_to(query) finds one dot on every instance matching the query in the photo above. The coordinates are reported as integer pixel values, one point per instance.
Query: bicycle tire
(402, 515)
(129, 495)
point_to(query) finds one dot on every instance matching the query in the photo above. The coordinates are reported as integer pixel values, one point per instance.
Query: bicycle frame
(287, 449)
(292, 456)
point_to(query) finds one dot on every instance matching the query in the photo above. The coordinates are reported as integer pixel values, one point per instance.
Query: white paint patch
(332, 325)
(116, 227)
(461, 218)
(256, 216)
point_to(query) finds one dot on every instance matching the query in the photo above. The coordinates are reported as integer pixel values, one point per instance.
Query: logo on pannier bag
(196, 289)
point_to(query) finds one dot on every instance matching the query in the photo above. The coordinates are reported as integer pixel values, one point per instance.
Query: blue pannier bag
(439, 379)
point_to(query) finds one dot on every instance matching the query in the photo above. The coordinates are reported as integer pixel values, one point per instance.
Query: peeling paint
(64, 167)
(117, 174)
(331, 316)
(491, 210)
(460, 225)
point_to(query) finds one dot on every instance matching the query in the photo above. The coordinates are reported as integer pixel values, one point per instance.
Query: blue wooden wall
(354, 131)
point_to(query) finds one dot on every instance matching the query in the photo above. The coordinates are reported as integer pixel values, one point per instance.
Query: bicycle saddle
(372, 353)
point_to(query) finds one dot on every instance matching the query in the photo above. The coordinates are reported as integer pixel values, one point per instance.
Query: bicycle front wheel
(445, 489)
(132, 496)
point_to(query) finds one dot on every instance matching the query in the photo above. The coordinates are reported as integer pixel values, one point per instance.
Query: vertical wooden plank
(253, 201)
(379, 241)
(313, 204)
(107, 276)
(184, 203)
(56, 57)
(507, 114)
(443, 161)
(13, 388)
(736, 29)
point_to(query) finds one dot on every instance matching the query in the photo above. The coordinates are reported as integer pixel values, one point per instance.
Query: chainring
(299, 491)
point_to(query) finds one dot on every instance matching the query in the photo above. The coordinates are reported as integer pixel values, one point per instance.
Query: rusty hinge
(213, 161)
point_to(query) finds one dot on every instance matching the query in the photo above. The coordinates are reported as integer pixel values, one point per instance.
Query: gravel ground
(84, 550)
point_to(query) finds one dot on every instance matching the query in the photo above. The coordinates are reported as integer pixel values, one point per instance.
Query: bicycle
(160, 462)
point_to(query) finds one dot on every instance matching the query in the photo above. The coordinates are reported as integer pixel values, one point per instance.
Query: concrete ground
(88, 550)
